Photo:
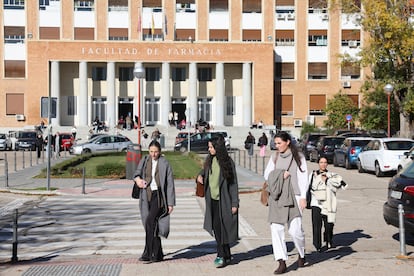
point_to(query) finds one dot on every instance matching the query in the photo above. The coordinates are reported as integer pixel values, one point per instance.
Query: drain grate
(74, 270)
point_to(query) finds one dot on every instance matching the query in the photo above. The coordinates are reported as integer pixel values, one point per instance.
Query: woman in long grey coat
(155, 179)
(222, 199)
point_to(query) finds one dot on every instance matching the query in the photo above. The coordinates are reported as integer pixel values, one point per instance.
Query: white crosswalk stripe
(69, 226)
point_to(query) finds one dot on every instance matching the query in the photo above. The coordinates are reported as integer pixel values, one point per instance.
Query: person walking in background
(74, 131)
(57, 145)
(222, 199)
(39, 144)
(156, 134)
(171, 118)
(176, 119)
(262, 144)
(154, 177)
(249, 143)
(323, 185)
(128, 122)
(287, 179)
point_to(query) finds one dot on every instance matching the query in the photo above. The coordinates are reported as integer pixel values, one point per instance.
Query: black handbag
(309, 193)
(135, 191)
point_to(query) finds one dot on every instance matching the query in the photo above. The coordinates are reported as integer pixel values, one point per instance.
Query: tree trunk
(406, 128)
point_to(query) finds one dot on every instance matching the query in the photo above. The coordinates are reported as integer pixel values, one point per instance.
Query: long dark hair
(223, 158)
(284, 136)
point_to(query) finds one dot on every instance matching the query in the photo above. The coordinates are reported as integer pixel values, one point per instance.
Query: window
(49, 32)
(13, 4)
(318, 38)
(230, 105)
(350, 70)
(219, 5)
(252, 35)
(118, 34)
(126, 73)
(14, 34)
(205, 74)
(43, 4)
(184, 35)
(152, 107)
(83, 5)
(285, 37)
(84, 33)
(98, 73)
(99, 108)
(179, 74)
(252, 6)
(284, 70)
(204, 109)
(317, 70)
(152, 74)
(287, 105)
(14, 68)
(71, 105)
(351, 38)
(14, 103)
(317, 104)
(117, 5)
(219, 35)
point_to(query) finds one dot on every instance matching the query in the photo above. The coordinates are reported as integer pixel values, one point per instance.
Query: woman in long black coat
(222, 199)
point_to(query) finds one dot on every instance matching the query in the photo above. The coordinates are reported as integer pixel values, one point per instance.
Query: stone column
(111, 100)
(220, 107)
(165, 102)
(83, 94)
(247, 94)
(55, 90)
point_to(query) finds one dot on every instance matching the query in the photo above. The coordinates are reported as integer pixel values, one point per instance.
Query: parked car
(5, 142)
(347, 155)
(382, 155)
(308, 141)
(406, 160)
(182, 136)
(26, 140)
(102, 143)
(199, 141)
(401, 191)
(325, 147)
(66, 140)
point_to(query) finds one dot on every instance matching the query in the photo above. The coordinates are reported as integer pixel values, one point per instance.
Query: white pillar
(220, 94)
(55, 90)
(192, 96)
(247, 94)
(165, 102)
(112, 119)
(83, 94)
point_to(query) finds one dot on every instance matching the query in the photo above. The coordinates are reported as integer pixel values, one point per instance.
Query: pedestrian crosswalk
(81, 226)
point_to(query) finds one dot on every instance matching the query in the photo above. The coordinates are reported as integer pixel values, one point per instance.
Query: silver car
(5, 142)
(102, 143)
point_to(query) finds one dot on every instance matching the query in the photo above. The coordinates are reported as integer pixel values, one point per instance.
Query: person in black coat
(39, 144)
(222, 199)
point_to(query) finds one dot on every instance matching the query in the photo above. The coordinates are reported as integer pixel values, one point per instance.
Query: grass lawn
(185, 166)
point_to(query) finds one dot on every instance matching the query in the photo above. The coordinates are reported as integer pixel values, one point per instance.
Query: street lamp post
(388, 88)
(139, 73)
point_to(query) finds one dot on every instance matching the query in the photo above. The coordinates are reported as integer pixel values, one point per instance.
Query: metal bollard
(31, 158)
(15, 241)
(402, 229)
(83, 181)
(244, 159)
(263, 164)
(255, 159)
(23, 163)
(239, 158)
(15, 161)
(250, 163)
(6, 170)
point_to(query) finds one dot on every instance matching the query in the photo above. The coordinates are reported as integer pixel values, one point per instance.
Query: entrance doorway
(125, 108)
(180, 109)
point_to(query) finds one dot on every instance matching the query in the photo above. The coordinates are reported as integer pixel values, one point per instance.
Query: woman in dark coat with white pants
(222, 199)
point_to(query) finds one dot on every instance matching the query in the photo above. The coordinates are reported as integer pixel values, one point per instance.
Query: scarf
(283, 162)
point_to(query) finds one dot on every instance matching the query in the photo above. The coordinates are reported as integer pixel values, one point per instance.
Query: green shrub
(110, 170)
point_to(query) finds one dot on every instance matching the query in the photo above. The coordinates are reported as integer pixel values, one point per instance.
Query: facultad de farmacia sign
(150, 51)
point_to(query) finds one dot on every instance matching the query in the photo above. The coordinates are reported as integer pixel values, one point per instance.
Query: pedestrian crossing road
(84, 226)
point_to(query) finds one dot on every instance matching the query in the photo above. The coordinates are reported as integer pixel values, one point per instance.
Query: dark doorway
(125, 109)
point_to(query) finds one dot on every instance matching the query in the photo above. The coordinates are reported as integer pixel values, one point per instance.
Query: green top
(214, 179)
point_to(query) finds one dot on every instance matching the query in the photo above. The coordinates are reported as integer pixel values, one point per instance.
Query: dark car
(325, 147)
(347, 155)
(199, 141)
(308, 142)
(26, 140)
(401, 191)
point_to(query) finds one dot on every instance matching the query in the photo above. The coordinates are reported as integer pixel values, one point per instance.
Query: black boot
(282, 267)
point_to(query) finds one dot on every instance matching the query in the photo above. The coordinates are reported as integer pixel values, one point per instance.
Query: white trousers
(279, 242)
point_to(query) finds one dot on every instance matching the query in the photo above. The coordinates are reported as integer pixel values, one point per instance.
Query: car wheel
(378, 171)
(347, 164)
(360, 169)
(86, 151)
(183, 149)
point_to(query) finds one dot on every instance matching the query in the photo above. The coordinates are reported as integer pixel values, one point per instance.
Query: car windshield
(360, 143)
(408, 171)
(334, 141)
(399, 145)
(27, 135)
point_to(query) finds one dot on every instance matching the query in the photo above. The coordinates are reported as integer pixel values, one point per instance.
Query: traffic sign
(348, 117)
